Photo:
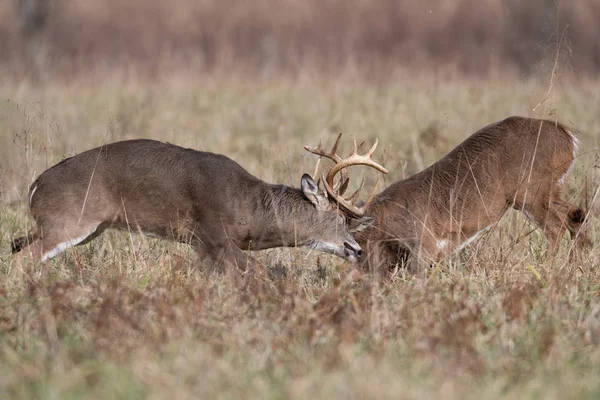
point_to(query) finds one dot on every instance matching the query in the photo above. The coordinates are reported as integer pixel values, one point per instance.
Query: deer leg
(422, 259)
(49, 246)
(384, 256)
(33, 252)
(550, 222)
(555, 219)
(237, 257)
(66, 234)
(575, 220)
(380, 257)
(228, 255)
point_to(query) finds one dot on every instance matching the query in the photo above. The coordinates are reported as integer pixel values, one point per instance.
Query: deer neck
(283, 210)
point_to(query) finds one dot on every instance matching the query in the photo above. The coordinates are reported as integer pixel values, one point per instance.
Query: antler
(336, 191)
(342, 185)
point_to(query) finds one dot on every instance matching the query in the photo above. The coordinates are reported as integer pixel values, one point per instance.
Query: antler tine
(372, 150)
(317, 168)
(342, 185)
(355, 159)
(354, 196)
(372, 195)
(320, 151)
(315, 150)
(336, 145)
(336, 191)
(343, 203)
(356, 147)
(360, 145)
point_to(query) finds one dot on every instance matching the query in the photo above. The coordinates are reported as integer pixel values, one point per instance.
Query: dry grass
(134, 319)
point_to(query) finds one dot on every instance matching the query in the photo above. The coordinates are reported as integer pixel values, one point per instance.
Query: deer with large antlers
(166, 191)
(518, 162)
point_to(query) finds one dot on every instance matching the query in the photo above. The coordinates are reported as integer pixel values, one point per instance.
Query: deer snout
(352, 251)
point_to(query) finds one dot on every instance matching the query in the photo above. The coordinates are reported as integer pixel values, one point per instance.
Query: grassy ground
(130, 317)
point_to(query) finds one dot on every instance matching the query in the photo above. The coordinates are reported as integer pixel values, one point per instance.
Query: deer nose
(353, 248)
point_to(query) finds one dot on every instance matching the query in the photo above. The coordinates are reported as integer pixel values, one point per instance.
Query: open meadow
(129, 317)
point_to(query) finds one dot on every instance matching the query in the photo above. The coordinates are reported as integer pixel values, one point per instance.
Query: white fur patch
(473, 238)
(152, 235)
(331, 248)
(575, 142)
(441, 244)
(31, 195)
(65, 245)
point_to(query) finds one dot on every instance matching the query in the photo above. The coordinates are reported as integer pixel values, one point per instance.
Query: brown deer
(518, 162)
(162, 190)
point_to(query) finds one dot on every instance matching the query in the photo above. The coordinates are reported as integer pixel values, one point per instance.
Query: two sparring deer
(211, 202)
(518, 162)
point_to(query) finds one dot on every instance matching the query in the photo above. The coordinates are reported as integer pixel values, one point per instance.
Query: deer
(204, 199)
(519, 163)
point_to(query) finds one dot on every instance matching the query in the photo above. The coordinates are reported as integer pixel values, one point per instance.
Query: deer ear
(360, 224)
(310, 188)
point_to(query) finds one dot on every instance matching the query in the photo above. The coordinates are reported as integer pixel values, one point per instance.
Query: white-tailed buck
(518, 162)
(166, 191)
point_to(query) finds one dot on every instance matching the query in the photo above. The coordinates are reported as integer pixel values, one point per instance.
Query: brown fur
(200, 198)
(471, 188)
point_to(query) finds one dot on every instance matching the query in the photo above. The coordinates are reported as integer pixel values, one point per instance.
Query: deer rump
(166, 191)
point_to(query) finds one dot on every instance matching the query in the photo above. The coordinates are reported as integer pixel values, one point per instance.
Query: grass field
(130, 317)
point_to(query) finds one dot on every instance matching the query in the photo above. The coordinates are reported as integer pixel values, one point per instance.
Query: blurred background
(66, 38)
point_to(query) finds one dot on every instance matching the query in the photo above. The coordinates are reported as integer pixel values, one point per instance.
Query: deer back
(512, 162)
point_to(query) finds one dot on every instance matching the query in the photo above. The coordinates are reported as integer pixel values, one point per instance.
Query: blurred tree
(529, 29)
(33, 15)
